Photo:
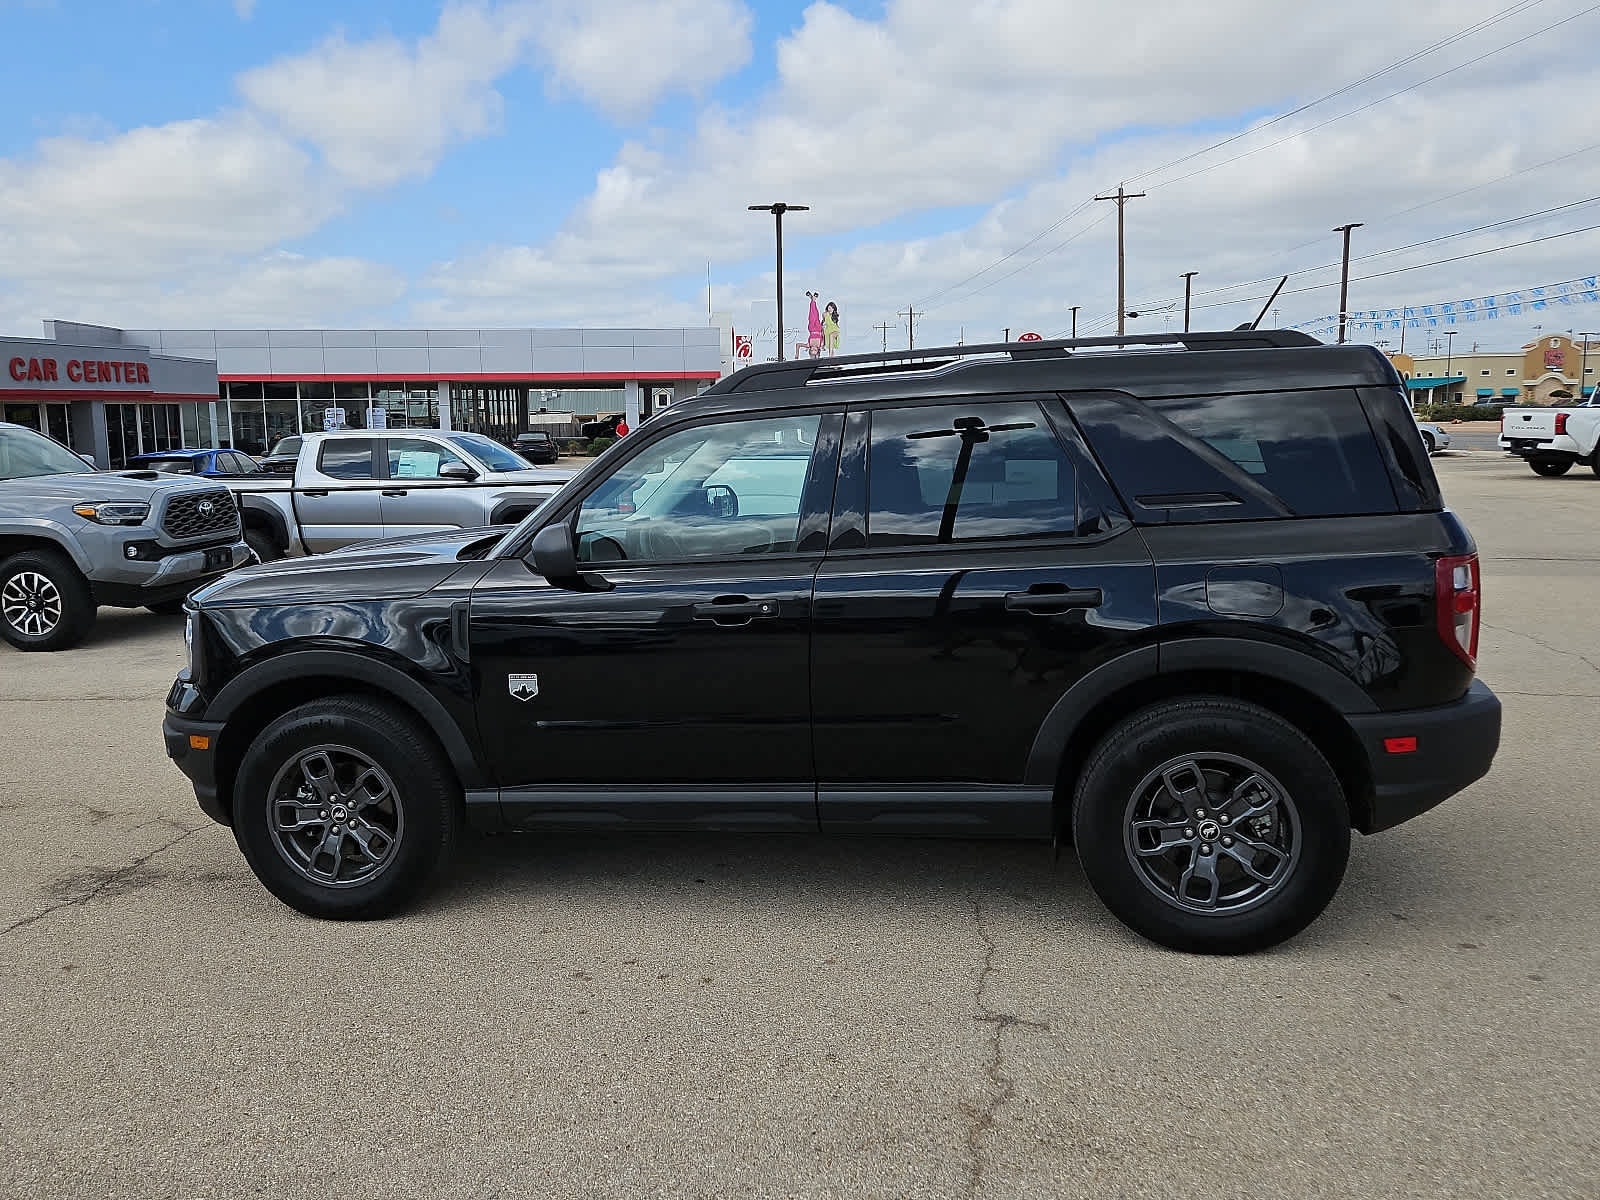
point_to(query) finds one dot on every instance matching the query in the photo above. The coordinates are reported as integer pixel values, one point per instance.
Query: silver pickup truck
(361, 485)
(73, 539)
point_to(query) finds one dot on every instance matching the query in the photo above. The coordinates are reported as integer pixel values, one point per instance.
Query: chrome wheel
(31, 604)
(336, 817)
(1212, 833)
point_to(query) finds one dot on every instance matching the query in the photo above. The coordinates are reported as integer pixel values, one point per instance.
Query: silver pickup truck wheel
(45, 603)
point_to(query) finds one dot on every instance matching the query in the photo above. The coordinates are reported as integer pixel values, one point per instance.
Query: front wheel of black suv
(1211, 826)
(344, 808)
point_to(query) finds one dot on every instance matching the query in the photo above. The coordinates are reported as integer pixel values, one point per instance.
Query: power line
(1504, 14)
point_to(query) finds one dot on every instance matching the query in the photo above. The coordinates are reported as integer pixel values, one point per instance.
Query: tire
(263, 544)
(1143, 771)
(1550, 467)
(1427, 441)
(167, 608)
(1594, 464)
(45, 602)
(409, 829)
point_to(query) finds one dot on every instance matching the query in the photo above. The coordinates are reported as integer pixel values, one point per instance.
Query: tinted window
(288, 447)
(418, 458)
(347, 458)
(243, 463)
(170, 466)
(958, 473)
(714, 491)
(1207, 458)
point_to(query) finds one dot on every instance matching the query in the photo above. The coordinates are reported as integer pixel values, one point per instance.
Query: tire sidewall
(259, 540)
(77, 600)
(424, 789)
(1157, 735)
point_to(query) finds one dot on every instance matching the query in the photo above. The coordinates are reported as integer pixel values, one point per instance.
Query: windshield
(288, 447)
(26, 455)
(491, 454)
(169, 466)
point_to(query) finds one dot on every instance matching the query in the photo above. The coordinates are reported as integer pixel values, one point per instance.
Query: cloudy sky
(580, 162)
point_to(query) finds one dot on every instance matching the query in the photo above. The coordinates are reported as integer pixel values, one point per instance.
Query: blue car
(210, 464)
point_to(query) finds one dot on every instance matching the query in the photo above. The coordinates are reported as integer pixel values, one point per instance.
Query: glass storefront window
(352, 397)
(58, 423)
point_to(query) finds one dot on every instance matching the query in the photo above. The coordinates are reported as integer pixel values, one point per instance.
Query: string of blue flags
(1481, 308)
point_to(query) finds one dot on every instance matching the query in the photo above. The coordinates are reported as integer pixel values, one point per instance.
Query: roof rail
(799, 372)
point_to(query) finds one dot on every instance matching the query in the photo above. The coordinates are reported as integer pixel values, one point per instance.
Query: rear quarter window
(1239, 456)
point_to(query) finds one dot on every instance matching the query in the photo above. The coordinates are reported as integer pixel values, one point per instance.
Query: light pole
(1344, 276)
(1075, 309)
(1583, 369)
(777, 211)
(1188, 282)
(1448, 348)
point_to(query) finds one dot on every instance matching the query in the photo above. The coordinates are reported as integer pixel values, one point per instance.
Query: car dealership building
(114, 393)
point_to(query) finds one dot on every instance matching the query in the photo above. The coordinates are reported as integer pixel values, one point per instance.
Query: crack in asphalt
(110, 879)
(1002, 1088)
(1589, 662)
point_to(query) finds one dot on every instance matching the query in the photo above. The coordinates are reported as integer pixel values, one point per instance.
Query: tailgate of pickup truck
(1539, 423)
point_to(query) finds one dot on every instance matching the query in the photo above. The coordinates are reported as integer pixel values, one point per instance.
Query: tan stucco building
(1532, 375)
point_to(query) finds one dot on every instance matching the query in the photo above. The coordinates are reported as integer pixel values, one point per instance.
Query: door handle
(1053, 598)
(314, 492)
(394, 491)
(734, 610)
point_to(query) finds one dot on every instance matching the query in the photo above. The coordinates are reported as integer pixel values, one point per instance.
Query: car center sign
(46, 372)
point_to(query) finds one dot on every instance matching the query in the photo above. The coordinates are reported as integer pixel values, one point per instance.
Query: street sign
(1029, 337)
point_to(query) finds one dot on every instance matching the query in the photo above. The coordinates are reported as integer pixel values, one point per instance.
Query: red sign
(1555, 358)
(742, 347)
(1029, 337)
(48, 370)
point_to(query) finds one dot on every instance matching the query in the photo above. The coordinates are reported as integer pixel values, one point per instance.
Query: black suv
(1190, 603)
(536, 446)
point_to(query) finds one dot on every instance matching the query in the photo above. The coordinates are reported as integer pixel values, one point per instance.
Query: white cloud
(1026, 108)
(625, 55)
(383, 110)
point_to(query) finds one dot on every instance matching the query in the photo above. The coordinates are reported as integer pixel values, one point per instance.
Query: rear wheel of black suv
(1212, 826)
(344, 808)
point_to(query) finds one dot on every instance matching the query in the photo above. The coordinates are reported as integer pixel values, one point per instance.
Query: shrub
(597, 445)
(576, 446)
(1461, 412)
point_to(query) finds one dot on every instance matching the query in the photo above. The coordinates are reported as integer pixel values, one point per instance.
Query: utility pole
(911, 316)
(1344, 276)
(1075, 309)
(1008, 333)
(883, 327)
(777, 210)
(1448, 345)
(1122, 198)
(1188, 282)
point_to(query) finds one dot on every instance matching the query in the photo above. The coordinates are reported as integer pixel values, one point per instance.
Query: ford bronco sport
(1190, 603)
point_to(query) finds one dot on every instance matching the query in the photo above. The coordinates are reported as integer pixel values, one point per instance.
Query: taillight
(1458, 601)
(1561, 424)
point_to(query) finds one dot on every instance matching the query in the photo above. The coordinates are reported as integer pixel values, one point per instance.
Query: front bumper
(1453, 747)
(132, 583)
(192, 745)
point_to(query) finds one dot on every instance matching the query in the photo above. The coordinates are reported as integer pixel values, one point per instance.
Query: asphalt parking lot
(704, 1016)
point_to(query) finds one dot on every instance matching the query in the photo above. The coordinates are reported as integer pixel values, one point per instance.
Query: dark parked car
(281, 459)
(536, 446)
(1198, 611)
(210, 464)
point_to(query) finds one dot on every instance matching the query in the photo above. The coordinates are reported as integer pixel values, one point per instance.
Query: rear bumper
(1539, 447)
(1455, 745)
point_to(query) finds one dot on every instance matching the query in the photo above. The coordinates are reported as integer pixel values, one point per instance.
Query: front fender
(46, 530)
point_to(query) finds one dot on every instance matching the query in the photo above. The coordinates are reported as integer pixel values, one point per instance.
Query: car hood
(384, 570)
(550, 476)
(104, 485)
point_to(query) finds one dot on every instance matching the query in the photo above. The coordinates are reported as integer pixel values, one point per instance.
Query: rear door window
(347, 458)
(972, 472)
(1239, 456)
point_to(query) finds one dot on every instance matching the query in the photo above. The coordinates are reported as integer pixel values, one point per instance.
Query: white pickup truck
(363, 485)
(1553, 439)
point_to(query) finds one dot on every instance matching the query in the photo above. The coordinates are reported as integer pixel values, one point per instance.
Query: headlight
(114, 512)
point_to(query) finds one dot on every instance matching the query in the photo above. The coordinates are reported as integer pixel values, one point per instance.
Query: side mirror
(89, 458)
(457, 471)
(722, 501)
(556, 558)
